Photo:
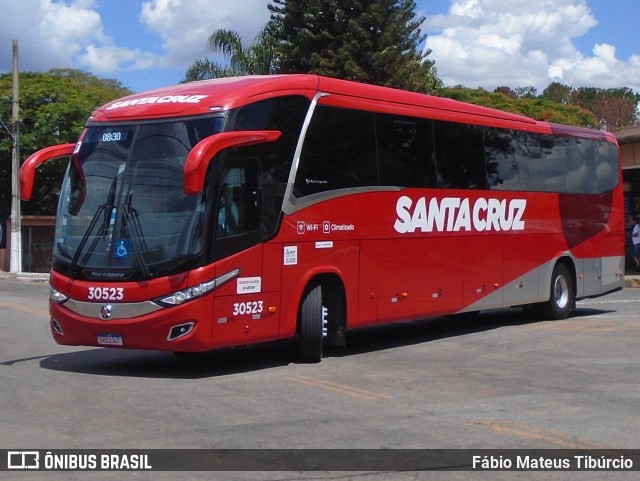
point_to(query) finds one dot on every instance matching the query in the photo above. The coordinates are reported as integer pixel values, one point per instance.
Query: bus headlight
(57, 297)
(185, 295)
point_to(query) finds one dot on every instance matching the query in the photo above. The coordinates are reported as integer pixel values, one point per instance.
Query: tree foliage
(258, 58)
(368, 41)
(377, 42)
(372, 41)
(614, 108)
(607, 109)
(538, 108)
(54, 107)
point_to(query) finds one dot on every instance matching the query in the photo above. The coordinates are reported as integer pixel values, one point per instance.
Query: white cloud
(59, 34)
(485, 43)
(185, 25)
(105, 60)
(71, 33)
(490, 43)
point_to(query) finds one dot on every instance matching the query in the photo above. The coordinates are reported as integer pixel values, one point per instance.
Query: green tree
(508, 91)
(537, 108)
(558, 92)
(372, 41)
(54, 107)
(614, 108)
(528, 92)
(258, 58)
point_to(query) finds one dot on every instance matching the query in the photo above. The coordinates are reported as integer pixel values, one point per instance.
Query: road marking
(617, 301)
(30, 310)
(522, 430)
(339, 388)
(581, 326)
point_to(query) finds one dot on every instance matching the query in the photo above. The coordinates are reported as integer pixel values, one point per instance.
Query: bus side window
(405, 146)
(547, 162)
(238, 209)
(507, 167)
(338, 153)
(582, 178)
(606, 166)
(459, 159)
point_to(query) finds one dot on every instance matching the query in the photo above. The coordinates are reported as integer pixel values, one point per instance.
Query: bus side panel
(411, 278)
(612, 273)
(245, 319)
(483, 271)
(304, 261)
(242, 311)
(552, 247)
(369, 282)
(590, 277)
(521, 260)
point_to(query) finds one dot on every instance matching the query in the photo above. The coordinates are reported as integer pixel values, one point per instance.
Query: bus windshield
(122, 205)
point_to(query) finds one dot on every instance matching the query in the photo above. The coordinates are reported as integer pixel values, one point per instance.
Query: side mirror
(198, 160)
(28, 169)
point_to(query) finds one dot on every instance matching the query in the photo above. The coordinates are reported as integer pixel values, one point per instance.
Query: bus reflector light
(180, 330)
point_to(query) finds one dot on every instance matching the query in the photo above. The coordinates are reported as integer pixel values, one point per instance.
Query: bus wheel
(561, 299)
(313, 325)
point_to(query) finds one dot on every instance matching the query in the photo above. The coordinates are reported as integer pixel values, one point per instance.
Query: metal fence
(37, 245)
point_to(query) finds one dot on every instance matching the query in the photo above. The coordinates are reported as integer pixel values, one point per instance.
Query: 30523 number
(249, 307)
(106, 293)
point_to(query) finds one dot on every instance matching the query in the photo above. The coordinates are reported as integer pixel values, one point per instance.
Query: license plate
(110, 339)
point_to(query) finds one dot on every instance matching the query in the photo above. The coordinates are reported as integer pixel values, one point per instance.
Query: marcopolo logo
(454, 214)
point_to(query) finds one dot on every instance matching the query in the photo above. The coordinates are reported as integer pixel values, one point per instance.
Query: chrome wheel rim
(561, 292)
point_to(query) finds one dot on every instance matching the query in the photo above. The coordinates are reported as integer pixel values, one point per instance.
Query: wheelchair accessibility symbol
(122, 250)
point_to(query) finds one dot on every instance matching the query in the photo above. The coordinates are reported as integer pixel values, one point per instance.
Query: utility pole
(15, 261)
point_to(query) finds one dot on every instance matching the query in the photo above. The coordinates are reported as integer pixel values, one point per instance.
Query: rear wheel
(561, 299)
(313, 325)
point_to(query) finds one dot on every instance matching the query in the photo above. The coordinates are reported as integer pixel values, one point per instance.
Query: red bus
(243, 210)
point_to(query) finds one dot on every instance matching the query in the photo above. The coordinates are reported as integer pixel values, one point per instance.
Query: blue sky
(476, 43)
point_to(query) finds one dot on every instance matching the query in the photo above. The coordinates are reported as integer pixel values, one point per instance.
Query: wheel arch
(546, 273)
(335, 294)
(561, 290)
(570, 264)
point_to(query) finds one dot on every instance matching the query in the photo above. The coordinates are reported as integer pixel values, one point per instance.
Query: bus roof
(206, 96)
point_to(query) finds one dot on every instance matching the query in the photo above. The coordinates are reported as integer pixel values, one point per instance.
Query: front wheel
(313, 325)
(561, 299)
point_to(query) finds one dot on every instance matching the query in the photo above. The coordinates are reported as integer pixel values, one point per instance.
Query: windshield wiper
(107, 224)
(133, 229)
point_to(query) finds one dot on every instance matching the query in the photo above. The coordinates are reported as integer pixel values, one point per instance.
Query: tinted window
(405, 147)
(581, 158)
(606, 165)
(285, 114)
(338, 152)
(347, 148)
(547, 162)
(238, 208)
(459, 156)
(507, 167)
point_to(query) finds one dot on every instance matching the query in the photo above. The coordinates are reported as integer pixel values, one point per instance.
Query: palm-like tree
(256, 59)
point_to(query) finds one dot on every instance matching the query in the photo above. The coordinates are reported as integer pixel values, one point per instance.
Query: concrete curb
(26, 276)
(632, 281)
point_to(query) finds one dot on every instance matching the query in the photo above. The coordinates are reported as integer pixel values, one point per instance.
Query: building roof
(628, 135)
